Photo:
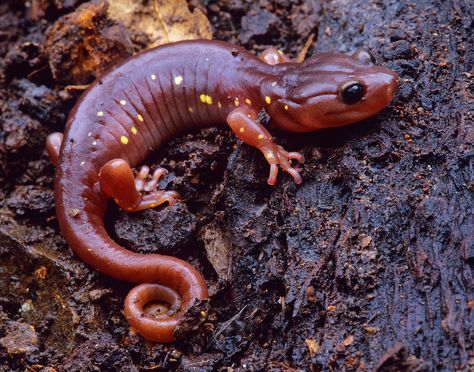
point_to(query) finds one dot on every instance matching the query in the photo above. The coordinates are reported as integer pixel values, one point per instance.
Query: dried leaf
(348, 340)
(365, 241)
(218, 248)
(371, 330)
(342, 345)
(313, 346)
(163, 21)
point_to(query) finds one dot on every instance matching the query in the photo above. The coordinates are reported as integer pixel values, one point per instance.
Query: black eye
(352, 92)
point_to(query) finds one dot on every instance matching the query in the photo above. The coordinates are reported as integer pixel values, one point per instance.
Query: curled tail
(161, 278)
(180, 297)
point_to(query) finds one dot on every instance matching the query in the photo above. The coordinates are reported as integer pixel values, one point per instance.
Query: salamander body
(157, 95)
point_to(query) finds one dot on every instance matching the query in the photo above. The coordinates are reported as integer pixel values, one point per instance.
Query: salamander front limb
(118, 182)
(243, 122)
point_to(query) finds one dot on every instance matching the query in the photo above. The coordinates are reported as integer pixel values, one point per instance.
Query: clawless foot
(243, 123)
(118, 182)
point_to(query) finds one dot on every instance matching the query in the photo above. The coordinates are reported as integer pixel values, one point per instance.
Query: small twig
(317, 267)
(372, 318)
(226, 325)
(304, 50)
(162, 21)
(71, 88)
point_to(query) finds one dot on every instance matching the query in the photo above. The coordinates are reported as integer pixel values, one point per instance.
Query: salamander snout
(381, 85)
(393, 84)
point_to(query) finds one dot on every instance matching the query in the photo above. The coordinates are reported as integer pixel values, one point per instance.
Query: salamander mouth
(354, 115)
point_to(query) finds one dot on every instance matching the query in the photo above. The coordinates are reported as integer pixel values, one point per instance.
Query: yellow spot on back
(178, 80)
(124, 140)
(260, 136)
(236, 101)
(286, 107)
(123, 102)
(248, 102)
(280, 52)
(268, 100)
(139, 117)
(269, 155)
(153, 77)
(100, 114)
(241, 130)
(205, 99)
(134, 130)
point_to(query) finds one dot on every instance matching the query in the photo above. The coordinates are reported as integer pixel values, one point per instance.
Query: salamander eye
(352, 92)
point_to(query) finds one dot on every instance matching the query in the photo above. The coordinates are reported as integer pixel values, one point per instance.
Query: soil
(368, 265)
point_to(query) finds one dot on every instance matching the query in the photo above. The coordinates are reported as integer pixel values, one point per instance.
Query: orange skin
(160, 93)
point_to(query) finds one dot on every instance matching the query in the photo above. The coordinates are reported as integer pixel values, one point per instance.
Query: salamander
(163, 92)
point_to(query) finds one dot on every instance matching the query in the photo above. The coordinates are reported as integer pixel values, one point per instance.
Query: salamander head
(331, 90)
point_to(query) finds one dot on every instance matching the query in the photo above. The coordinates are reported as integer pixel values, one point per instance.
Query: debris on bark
(398, 359)
(19, 339)
(82, 45)
(162, 21)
